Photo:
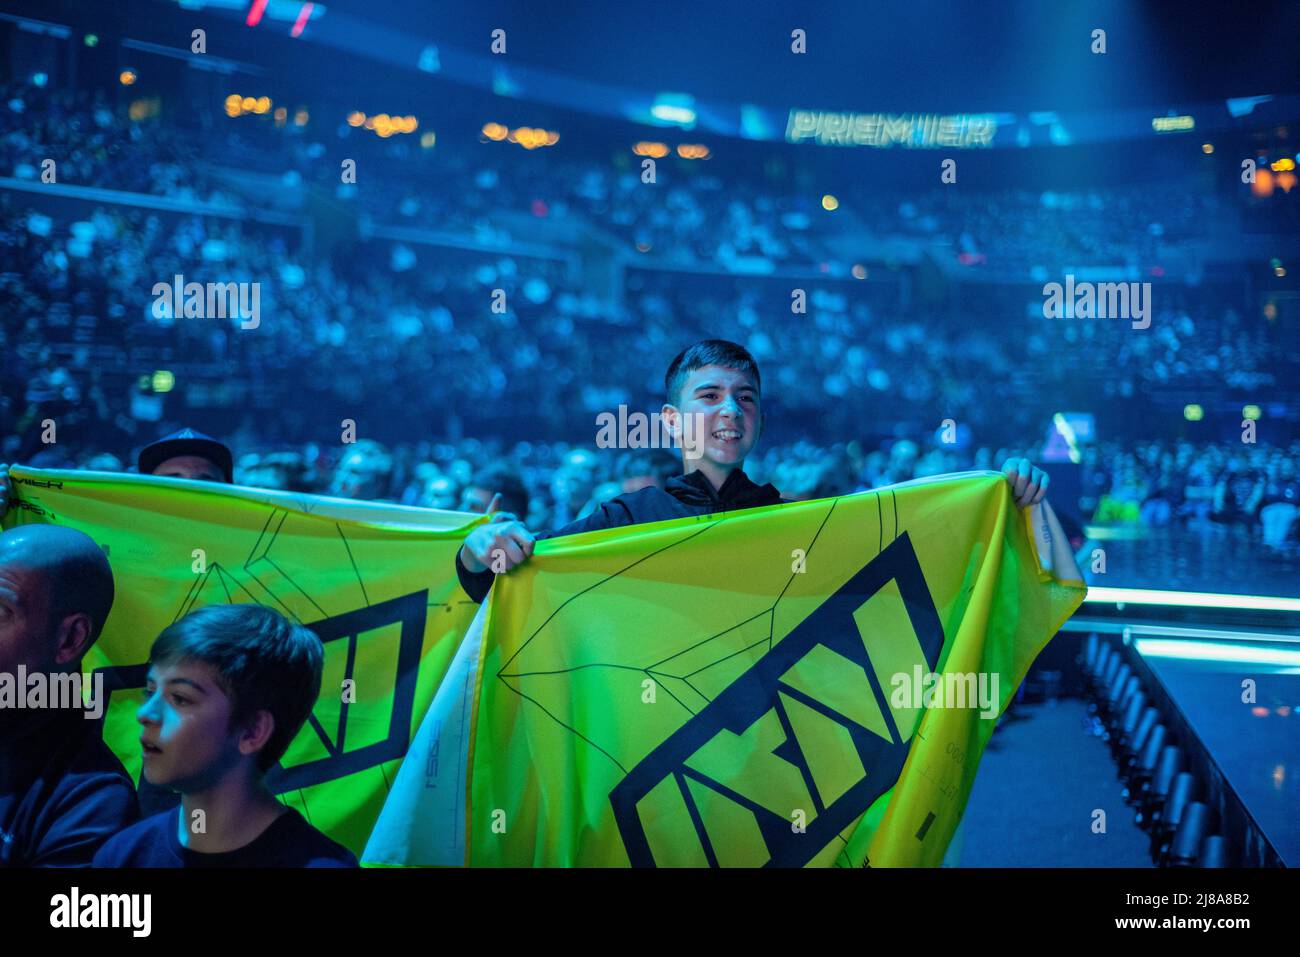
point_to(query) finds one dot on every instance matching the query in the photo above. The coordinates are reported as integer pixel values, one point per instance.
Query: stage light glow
(673, 114)
(428, 139)
(1189, 599)
(1250, 412)
(143, 109)
(255, 11)
(91, 40)
(859, 271)
(1207, 148)
(248, 104)
(356, 118)
(303, 16)
(1066, 431)
(1214, 651)
(126, 77)
(674, 108)
(1263, 185)
(1173, 124)
(263, 105)
(1282, 165)
(693, 151)
(300, 118)
(1193, 412)
(495, 131)
(163, 380)
(652, 149)
(830, 203)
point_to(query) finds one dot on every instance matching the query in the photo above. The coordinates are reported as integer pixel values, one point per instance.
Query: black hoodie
(690, 494)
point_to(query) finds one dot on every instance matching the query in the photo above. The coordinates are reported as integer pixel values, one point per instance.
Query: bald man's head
(56, 589)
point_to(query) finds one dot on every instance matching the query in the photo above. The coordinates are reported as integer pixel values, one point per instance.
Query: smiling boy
(229, 687)
(717, 383)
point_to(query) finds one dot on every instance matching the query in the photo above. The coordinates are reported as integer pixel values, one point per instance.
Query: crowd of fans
(417, 335)
(1146, 484)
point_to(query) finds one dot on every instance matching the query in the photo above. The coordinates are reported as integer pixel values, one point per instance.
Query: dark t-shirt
(690, 494)
(63, 793)
(289, 842)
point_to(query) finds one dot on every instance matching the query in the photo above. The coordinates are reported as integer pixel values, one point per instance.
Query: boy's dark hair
(263, 662)
(499, 477)
(707, 352)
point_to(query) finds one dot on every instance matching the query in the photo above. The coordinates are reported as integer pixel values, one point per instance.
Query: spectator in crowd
(63, 793)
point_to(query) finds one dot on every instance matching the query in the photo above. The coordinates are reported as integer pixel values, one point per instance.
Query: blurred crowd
(410, 334)
(1144, 484)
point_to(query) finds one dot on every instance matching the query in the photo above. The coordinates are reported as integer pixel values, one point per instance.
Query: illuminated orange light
(1263, 185)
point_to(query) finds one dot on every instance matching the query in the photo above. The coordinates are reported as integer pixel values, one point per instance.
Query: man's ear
(672, 420)
(257, 731)
(74, 638)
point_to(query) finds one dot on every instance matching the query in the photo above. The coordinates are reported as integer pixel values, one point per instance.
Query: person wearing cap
(187, 454)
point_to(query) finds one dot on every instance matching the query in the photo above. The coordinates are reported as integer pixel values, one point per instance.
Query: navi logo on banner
(376, 647)
(809, 728)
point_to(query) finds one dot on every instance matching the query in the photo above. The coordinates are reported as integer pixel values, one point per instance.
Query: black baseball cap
(186, 442)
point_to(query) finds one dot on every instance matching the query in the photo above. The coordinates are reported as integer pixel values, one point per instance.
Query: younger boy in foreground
(229, 686)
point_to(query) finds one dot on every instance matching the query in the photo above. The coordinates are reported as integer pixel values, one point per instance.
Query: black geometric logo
(766, 692)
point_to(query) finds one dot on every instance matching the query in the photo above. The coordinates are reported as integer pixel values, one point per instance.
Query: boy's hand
(1028, 484)
(499, 545)
(4, 489)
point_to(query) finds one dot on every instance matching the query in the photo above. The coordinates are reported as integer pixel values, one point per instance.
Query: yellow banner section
(806, 684)
(375, 582)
